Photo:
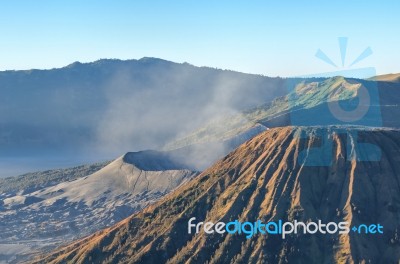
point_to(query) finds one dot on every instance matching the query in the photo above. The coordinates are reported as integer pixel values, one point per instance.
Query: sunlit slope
(273, 176)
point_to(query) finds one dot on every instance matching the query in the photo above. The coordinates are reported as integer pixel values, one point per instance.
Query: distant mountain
(332, 101)
(86, 112)
(388, 77)
(270, 177)
(110, 107)
(39, 219)
(307, 103)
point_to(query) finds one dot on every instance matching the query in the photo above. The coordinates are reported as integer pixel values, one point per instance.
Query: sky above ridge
(274, 38)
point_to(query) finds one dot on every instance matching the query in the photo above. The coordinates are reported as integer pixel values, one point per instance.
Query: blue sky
(266, 37)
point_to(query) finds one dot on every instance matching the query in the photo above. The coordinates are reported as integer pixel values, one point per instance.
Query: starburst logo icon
(343, 44)
(344, 66)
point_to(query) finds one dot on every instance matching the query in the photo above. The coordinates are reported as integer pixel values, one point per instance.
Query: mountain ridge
(391, 77)
(265, 178)
(308, 104)
(111, 107)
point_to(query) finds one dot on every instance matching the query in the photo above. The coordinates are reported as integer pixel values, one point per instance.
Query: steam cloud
(111, 107)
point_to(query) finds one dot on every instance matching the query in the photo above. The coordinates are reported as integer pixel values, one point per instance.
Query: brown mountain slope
(266, 179)
(392, 77)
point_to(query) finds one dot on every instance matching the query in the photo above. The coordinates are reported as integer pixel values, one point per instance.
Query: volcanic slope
(56, 215)
(273, 176)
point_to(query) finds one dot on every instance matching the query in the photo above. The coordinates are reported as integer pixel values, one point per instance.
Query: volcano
(281, 174)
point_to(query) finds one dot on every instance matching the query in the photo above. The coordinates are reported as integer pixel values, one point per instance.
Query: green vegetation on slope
(302, 94)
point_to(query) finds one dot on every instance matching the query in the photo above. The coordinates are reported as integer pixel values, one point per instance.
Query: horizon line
(317, 75)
